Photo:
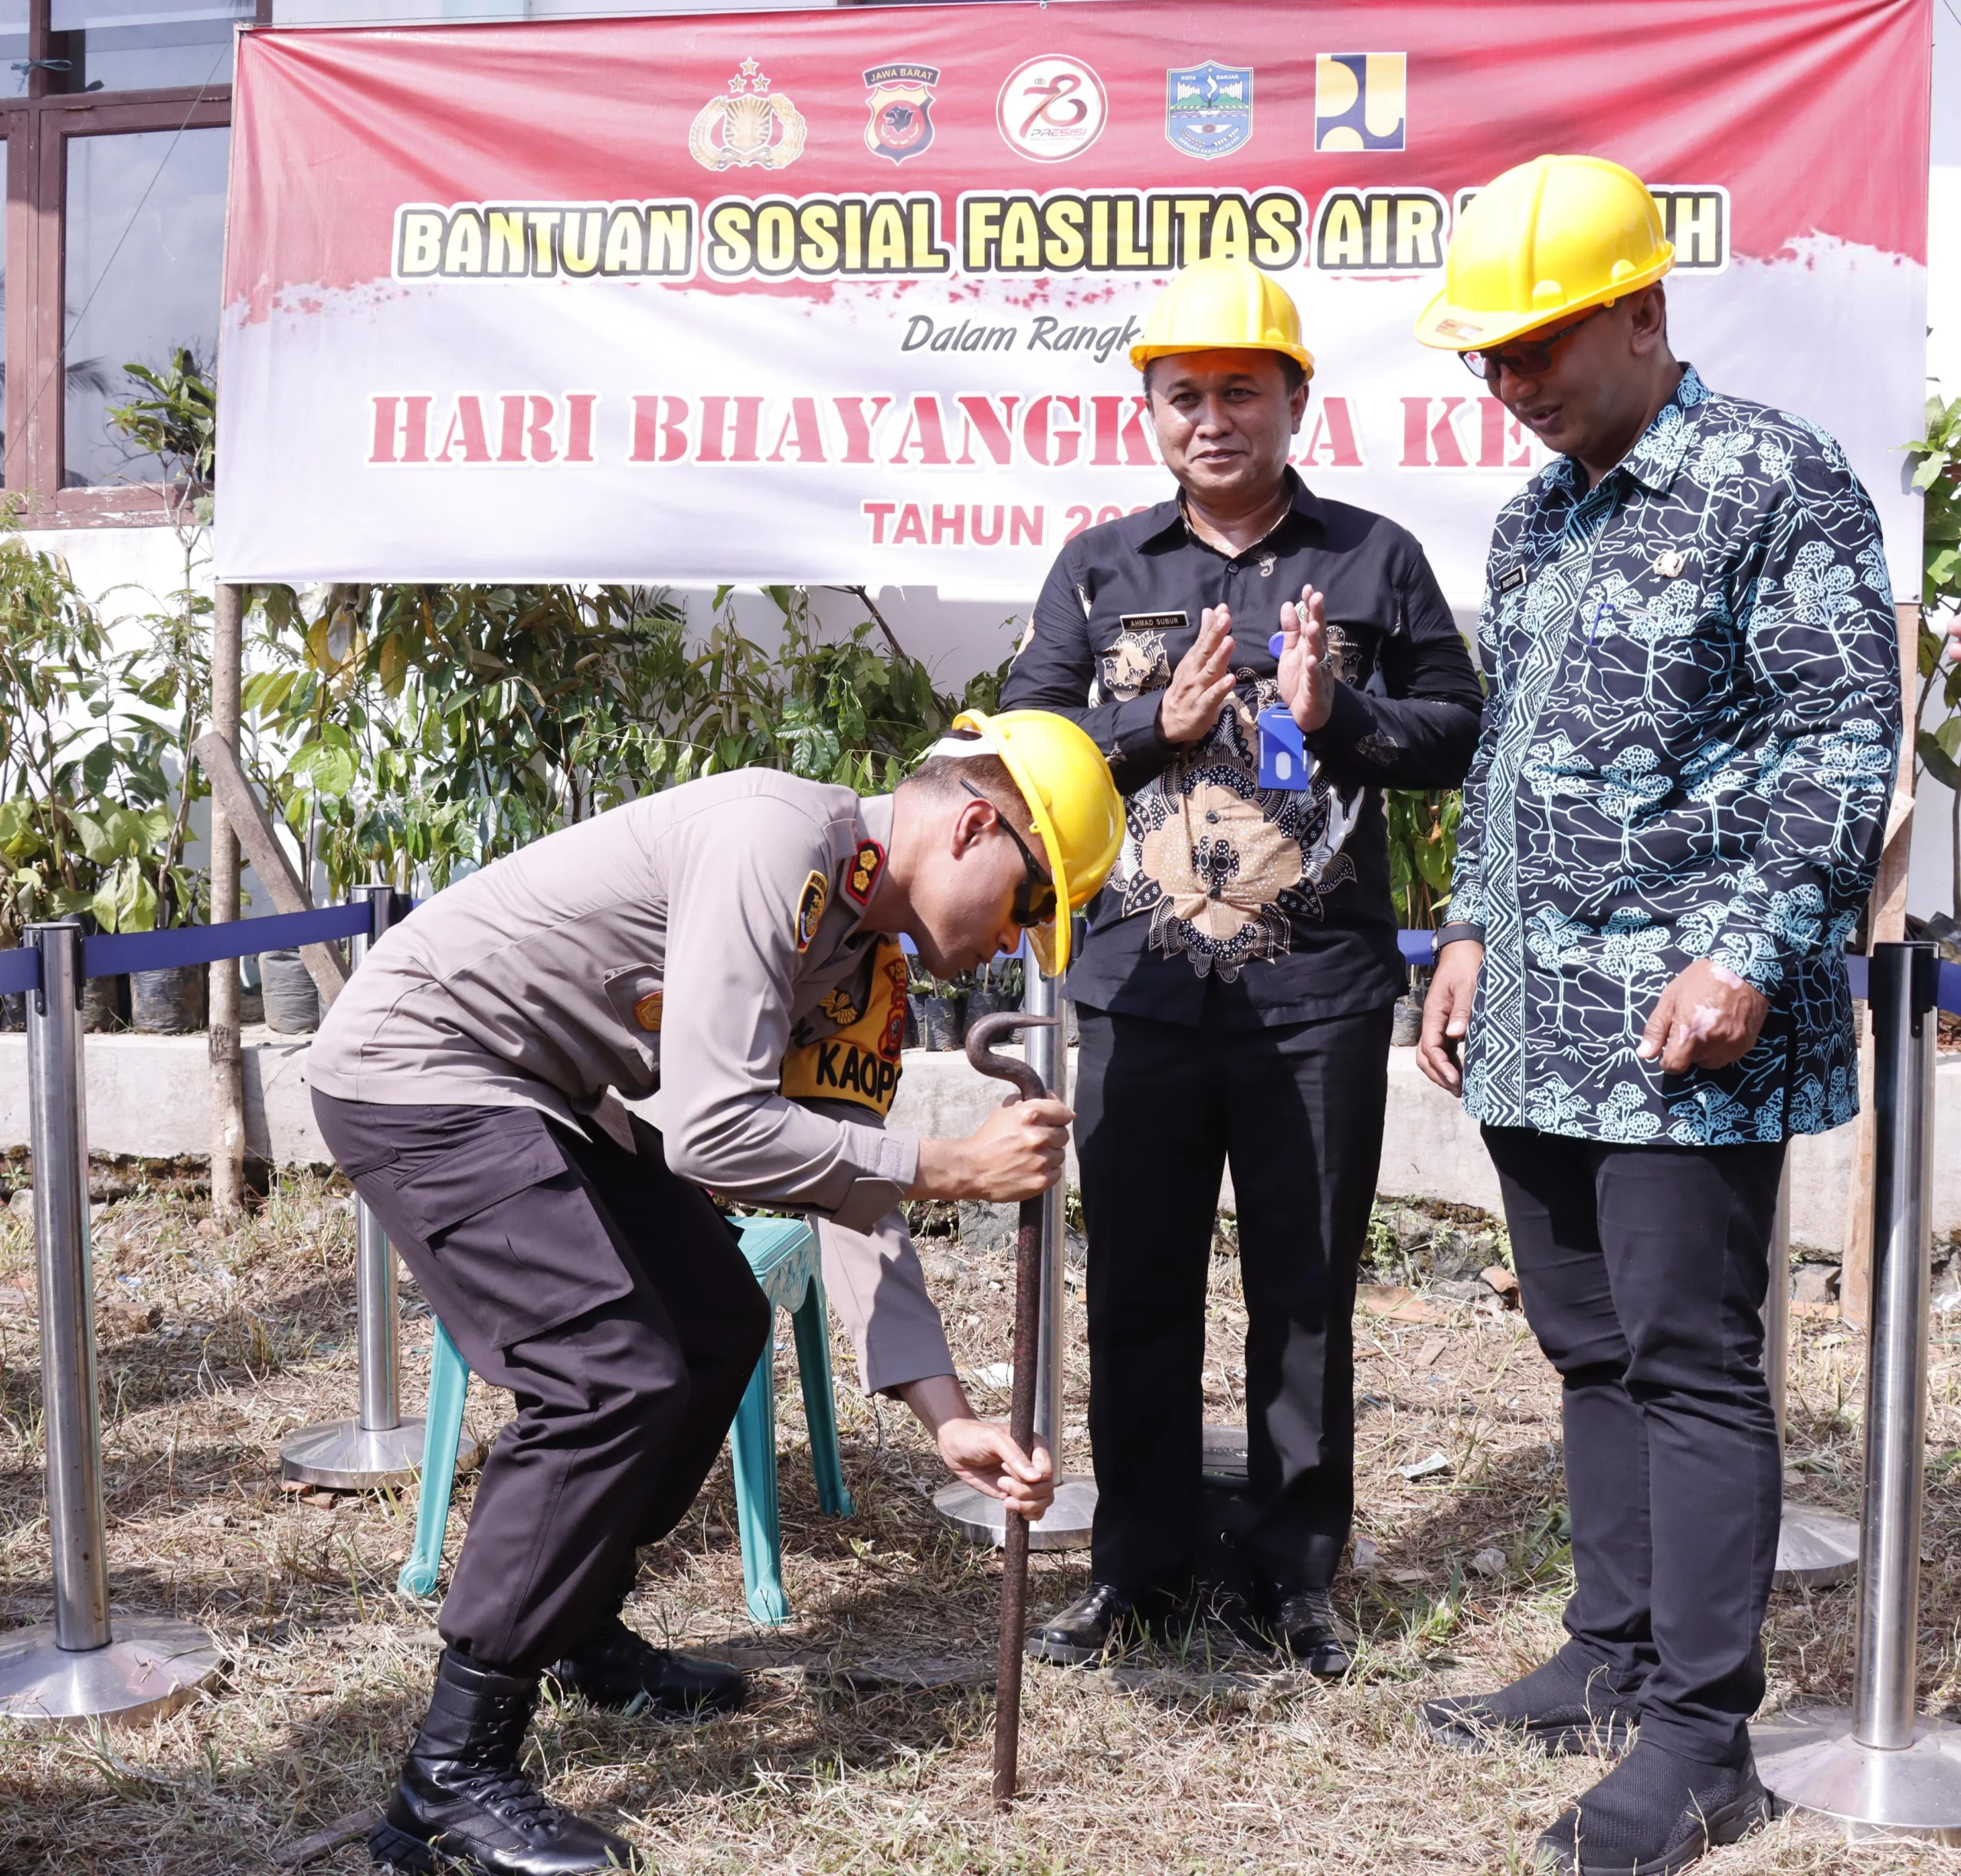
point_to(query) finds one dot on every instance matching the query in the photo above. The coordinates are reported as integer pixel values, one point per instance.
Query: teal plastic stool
(783, 1253)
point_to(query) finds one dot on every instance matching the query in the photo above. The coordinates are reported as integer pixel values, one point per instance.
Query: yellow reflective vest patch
(860, 1063)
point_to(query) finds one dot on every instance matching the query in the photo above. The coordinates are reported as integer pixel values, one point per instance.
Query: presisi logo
(1361, 101)
(1695, 218)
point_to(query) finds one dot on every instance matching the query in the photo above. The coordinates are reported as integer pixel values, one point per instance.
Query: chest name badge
(862, 873)
(1153, 621)
(810, 909)
(1510, 582)
(647, 1012)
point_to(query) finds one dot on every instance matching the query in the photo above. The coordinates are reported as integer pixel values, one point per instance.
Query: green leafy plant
(1422, 851)
(176, 421)
(1937, 458)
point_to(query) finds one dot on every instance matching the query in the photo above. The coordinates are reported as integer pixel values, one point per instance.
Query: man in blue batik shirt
(1670, 829)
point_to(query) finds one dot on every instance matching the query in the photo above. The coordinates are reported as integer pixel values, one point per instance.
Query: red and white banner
(845, 296)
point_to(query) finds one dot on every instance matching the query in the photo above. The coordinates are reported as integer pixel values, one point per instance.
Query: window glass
(145, 237)
(136, 45)
(13, 48)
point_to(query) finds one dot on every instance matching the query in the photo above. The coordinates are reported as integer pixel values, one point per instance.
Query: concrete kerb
(149, 1097)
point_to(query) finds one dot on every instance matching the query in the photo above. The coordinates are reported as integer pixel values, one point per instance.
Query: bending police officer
(469, 1082)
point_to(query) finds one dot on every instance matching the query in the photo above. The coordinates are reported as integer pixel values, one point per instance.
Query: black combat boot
(463, 1801)
(616, 1669)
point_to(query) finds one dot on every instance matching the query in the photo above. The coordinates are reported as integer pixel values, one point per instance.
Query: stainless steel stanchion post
(1815, 1548)
(1876, 1765)
(377, 1447)
(1064, 1526)
(86, 1664)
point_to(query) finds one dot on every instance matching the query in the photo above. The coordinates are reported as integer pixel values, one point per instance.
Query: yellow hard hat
(1218, 306)
(1073, 802)
(1552, 237)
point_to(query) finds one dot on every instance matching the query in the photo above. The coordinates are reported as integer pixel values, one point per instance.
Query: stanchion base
(151, 1665)
(981, 1520)
(1815, 1548)
(1809, 1759)
(345, 1456)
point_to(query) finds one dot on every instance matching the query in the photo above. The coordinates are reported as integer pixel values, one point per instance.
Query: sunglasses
(1035, 898)
(1527, 360)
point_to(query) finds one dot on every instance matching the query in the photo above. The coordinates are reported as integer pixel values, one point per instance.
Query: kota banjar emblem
(1209, 109)
(902, 107)
(749, 126)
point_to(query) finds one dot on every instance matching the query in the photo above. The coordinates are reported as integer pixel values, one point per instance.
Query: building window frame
(36, 127)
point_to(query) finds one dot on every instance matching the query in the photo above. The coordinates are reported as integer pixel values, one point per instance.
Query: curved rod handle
(980, 1041)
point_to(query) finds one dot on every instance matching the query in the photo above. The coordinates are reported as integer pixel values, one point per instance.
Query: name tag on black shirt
(1510, 582)
(1152, 621)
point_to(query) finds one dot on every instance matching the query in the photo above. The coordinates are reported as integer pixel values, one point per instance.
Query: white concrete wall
(149, 1096)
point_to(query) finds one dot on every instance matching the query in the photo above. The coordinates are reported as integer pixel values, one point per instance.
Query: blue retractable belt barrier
(197, 945)
(206, 943)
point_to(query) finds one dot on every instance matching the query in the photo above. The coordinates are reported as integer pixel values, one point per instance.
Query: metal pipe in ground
(83, 1664)
(1875, 1765)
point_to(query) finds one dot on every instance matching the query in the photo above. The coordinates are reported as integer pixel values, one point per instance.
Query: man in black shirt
(1236, 987)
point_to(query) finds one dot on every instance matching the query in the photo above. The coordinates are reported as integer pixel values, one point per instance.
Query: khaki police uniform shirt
(675, 943)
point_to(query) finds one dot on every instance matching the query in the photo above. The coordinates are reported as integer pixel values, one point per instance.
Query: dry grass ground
(1186, 1761)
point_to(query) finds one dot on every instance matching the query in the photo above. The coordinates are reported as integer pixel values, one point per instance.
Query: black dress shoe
(617, 1669)
(1106, 1620)
(1565, 1705)
(1307, 1628)
(462, 1803)
(1653, 1814)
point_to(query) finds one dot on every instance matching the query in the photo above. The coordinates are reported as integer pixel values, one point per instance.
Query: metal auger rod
(1030, 1086)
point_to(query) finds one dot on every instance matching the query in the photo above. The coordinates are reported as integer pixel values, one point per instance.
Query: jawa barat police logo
(901, 108)
(1209, 108)
(863, 874)
(647, 1012)
(748, 126)
(1051, 108)
(810, 909)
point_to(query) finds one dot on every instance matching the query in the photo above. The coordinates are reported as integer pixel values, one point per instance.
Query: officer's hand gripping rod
(980, 1039)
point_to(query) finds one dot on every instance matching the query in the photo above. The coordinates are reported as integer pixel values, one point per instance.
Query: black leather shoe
(1106, 1620)
(1307, 1628)
(617, 1669)
(1565, 1705)
(462, 1801)
(1654, 1814)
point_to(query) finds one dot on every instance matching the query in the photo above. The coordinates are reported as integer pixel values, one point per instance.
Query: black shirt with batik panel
(1230, 902)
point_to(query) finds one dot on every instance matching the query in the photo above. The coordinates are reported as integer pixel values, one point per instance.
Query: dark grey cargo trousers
(611, 1297)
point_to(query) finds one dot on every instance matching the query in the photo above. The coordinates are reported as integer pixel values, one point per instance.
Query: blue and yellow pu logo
(1361, 100)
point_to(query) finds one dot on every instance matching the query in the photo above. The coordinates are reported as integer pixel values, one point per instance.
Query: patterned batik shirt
(1687, 751)
(1230, 904)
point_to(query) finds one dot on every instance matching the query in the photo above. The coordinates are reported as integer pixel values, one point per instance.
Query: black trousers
(1297, 1111)
(1643, 1271)
(611, 1297)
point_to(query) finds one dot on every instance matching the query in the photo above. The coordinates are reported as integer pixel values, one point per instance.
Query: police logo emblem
(647, 1012)
(862, 873)
(1209, 109)
(810, 904)
(748, 126)
(902, 107)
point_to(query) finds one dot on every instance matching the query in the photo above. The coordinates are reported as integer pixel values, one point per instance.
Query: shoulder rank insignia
(810, 909)
(862, 874)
